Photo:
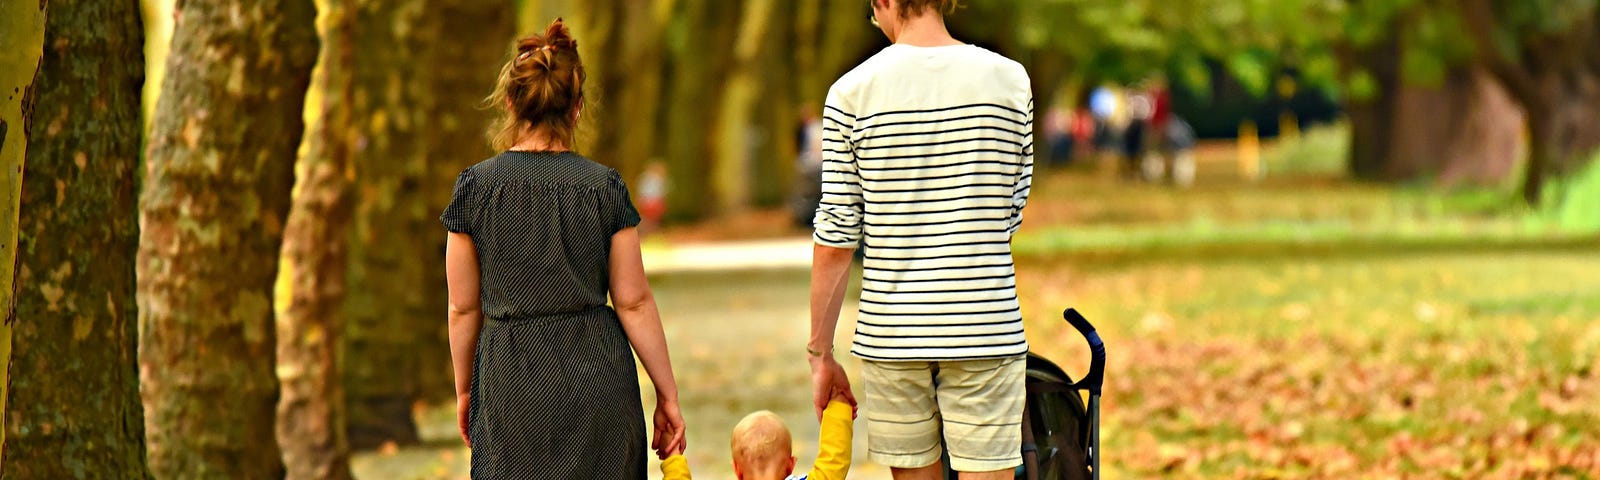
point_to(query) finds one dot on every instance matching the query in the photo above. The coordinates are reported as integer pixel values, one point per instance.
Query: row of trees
(192, 390)
(286, 281)
(1433, 89)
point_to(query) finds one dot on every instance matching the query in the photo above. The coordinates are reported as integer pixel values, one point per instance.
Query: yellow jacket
(833, 448)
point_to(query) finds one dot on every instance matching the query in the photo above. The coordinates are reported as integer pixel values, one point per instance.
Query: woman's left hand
(670, 437)
(463, 409)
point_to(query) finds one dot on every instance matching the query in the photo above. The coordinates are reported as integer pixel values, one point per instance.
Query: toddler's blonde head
(762, 447)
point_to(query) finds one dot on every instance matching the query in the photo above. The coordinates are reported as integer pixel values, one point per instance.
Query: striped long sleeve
(838, 219)
(1024, 181)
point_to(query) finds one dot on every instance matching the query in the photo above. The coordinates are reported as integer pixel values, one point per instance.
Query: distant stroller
(1060, 433)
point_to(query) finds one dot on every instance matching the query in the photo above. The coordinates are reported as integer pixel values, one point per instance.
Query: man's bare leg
(1006, 474)
(930, 472)
(936, 471)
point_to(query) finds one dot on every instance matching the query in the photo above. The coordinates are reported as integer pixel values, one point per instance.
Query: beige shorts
(978, 403)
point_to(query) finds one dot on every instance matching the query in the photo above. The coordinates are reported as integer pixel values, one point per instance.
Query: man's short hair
(911, 8)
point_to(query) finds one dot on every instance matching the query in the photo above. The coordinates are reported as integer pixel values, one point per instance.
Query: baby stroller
(1060, 433)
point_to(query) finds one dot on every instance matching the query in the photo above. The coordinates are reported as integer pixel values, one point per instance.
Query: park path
(736, 316)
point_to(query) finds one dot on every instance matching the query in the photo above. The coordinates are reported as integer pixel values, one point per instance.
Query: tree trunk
(1555, 75)
(623, 52)
(78, 237)
(424, 69)
(311, 411)
(736, 131)
(22, 31)
(1563, 128)
(473, 39)
(777, 109)
(389, 257)
(1464, 131)
(1372, 119)
(695, 104)
(219, 175)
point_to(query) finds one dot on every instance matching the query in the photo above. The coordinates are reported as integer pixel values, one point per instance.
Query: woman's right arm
(636, 307)
(466, 317)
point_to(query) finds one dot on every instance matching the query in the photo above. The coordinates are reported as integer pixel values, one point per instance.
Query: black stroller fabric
(1058, 423)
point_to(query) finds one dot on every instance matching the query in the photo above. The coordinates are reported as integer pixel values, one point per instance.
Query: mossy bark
(22, 32)
(475, 38)
(388, 257)
(424, 69)
(218, 180)
(78, 235)
(311, 425)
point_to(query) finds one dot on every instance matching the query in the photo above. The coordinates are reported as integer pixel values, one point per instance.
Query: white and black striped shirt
(928, 158)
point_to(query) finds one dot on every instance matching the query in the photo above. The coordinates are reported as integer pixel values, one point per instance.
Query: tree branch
(1479, 17)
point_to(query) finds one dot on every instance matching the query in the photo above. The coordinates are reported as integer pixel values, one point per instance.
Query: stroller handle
(1093, 380)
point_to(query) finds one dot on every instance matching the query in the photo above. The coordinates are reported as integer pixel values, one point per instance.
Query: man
(928, 157)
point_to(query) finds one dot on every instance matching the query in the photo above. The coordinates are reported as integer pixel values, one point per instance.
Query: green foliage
(1576, 201)
(1322, 150)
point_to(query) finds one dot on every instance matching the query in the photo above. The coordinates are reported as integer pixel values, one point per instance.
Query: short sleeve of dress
(620, 203)
(457, 216)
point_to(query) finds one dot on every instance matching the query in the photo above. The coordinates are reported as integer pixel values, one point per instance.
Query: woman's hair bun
(542, 86)
(557, 36)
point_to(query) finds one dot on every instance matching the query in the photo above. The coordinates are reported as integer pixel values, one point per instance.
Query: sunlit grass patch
(1446, 362)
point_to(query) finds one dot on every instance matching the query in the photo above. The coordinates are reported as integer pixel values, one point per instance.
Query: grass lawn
(1314, 328)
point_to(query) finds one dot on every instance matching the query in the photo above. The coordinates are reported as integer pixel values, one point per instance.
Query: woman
(546, 388)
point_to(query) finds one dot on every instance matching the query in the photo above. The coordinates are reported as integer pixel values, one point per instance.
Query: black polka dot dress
(554, 390)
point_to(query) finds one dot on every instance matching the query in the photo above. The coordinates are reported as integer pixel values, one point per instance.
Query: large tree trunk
(22, 31)
(311, 410)
(79, 235)
(424, 69)
(1464, 131)
(389, 257)
(219, 175)
(474, 39)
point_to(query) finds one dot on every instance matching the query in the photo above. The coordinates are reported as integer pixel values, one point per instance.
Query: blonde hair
(542, 85)
(761, 440)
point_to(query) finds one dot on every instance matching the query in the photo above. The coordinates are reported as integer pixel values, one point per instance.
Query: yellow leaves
(1155, 322)
(1295, 312)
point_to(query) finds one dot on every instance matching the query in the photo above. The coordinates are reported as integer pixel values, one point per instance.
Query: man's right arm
(838, 230)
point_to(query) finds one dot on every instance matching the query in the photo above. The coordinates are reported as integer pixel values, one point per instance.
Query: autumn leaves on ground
(1300, 327)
